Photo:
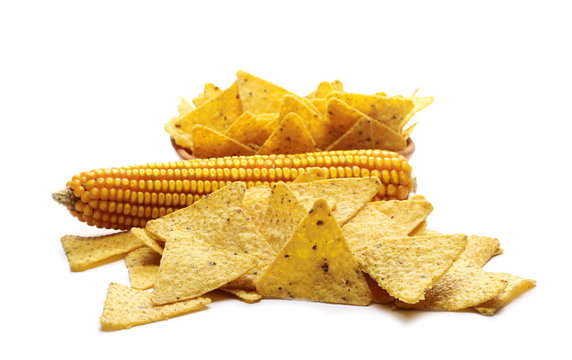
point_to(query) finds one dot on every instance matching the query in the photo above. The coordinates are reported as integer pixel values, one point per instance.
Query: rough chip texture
(188, 271)
(126, 307)
(143, 265)
(462, 287)
(316, 265)
(345, 196)
(408, 213)
(290, 137)
(515, 287)
(209, 143)
(311, 174)
(147, 239)
(86, 252)
(283, 215)
(246, 295)
(259, 96)
(407, 267)
(368, 133)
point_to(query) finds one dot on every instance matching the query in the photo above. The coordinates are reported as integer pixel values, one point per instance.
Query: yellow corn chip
(479, 250)
(259, 96)
(311, 119)
(125, 307)
(316, 264)
(345, 196)
(407, 267)
(181, 137)
(463, 286)
(283, 215)
(209, 92)
(388, 110)
(407, 132)
(423, 231)
(324, 88)
(368, 133)
(312, 174)
(86, 252)
(255, 202)
(408, 213)
(290, 137)
(515, 287)
(191, 270)
(217, 113)
(185, 107)
(246, 295)
(251, 130)
(211, 143)
(321, 105)
(370, 226)
(142, 264)
(206, 212)
(147, 239)
(340, 118)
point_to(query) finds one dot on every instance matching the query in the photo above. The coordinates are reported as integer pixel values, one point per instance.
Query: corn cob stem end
(65, 197)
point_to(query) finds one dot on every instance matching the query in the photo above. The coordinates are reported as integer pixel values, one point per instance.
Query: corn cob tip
(65, 197)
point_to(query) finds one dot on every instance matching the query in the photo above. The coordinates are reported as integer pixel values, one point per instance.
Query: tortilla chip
(321, 105)
(311, 119)
(246, 295)
(316, 265)
(340, 118)
(463, 286)
(390, 111)
(368, 133)
(378, 295)
(181, 137)
(311, 174)
(283, 215)
(142, 264)
(209, 92)
(479, 250)
(290, 137)
(147, 239)
(406, 267)
(211, 143)
(324, 88)
(345, 196)
(217, 113)
(250, 130)
(191, 270)
(125, 307)
(87, 252)
(259, 96)
(208, 211)
(255, 202)
(408, 213)
(370, 226)
(185, 107)
(515, 287)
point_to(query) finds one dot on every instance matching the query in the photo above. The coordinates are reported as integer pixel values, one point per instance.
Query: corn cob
(125, 197)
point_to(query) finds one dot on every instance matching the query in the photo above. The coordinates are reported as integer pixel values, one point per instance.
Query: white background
(86, 85)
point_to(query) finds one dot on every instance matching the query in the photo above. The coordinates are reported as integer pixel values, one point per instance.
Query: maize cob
(125, 197)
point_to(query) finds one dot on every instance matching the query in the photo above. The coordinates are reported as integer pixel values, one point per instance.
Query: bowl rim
(187, 154)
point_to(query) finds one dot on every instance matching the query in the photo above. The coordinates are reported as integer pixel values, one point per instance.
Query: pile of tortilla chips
(315, 239)
(254, 116)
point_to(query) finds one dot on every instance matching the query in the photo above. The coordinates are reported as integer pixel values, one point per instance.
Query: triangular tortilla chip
(515, 287)
(283, 215)
(370, 226)
(321, 105)
(408, 213)
(147, 239)
(125, 307)
(205, 213)
(345, 196)
(406, 267)
(340, 118)
(85, 252)
(184, 107)
(181, 137)
(246, 295)
(255, 202)
(316, 264)
(259, 96)
(210, 91)
(312, 120)
(217, 113)
(463, 286)
(388, 110)
(324, 88)
(191, 270)
(290, 137)
(250, 130)
(479, 250)
(209, 143)
(368, 133)
(143, 265)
